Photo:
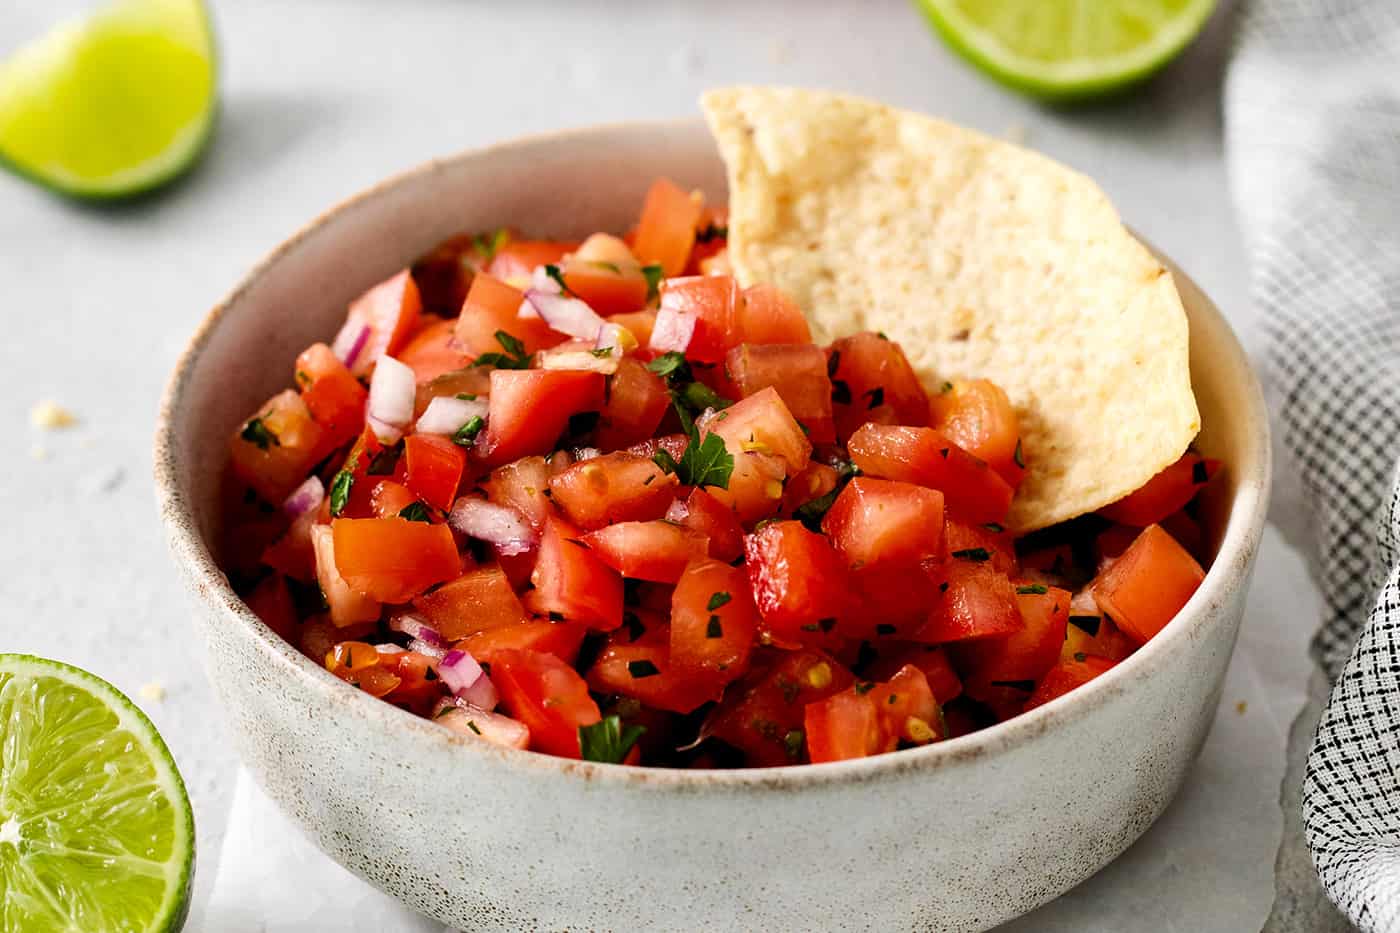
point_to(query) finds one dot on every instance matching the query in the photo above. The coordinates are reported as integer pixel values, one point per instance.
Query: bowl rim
(1239, 543)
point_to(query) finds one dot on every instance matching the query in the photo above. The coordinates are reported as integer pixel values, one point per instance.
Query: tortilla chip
(984, 260)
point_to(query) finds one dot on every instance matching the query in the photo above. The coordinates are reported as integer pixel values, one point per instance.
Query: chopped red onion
(673, 330)
(498, 525)
(677, 512)
(391, 396)
(446, 415)
(481, 694)
(422, 647)
(565, 315)
(464, 677)
(470, 720)
(305, 497)
(610, 338)
(350, 342)
(389, 649)
(579, 360)
(586, 453)
(414, 627)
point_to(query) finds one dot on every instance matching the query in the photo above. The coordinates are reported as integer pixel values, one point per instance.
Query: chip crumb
(51, 415)
(1241, 706)
(153, 691)
(39, 452)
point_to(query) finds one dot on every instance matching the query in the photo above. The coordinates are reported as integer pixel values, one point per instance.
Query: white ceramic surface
(959, 835)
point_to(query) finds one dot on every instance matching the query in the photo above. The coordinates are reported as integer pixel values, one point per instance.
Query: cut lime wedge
(1066, 50)
(96, 833)
(114, 104)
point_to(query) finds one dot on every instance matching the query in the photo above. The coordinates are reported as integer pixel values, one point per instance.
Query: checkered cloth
(1313, 107)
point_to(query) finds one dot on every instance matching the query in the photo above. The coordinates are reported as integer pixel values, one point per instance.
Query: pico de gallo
(598, 500)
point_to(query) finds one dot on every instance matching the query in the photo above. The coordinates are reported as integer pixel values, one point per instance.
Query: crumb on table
(1241, 706)
(50, 415)
(154, 691)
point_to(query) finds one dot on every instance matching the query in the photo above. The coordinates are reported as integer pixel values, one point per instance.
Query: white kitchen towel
(1313, 136)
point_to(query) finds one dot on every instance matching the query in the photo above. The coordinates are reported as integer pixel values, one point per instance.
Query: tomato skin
(978, 602)
(972, 490)
(666, 230)
(658, 551)
(762, 423)
(271, 602)
(798, 579)
(718, 652)
(616, 487)
(938, 671)
(797, 372)
(815, 481)
(522, 485)
(517, 259)
(493, 305)
(960, 537)
(529, 409)
(335, 398)
(1024, 655)
(1065, 676)
(708, 516)
(697, 317)
(392, 560)
(390, 498)
(570, 581)
(433, 351)
(872, 381)
(478, 600)
(876, 521)
(292, 554)
(435, 466)
(758, 714)
(561, 639)
(841, 727)
(1167, 492)
(620, 668)
(637, 401)
(348, 606)
(548, 696)
(291, 444)
(976, 415)
(390, 310)
(1145, 588)
(767, 315)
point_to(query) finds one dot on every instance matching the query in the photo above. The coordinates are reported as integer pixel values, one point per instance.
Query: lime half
(96, 832)
(114, 104)
(1068, 49)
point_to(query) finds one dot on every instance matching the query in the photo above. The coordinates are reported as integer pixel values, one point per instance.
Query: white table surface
(320, 99)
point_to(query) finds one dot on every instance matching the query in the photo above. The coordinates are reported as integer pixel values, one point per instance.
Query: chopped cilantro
(414, 512)
(466, 434)
(833, 363)
(697, 397)
(255, 432)
(654, 274)
(607, 740)
(994, 527)
(1087, 624)
(973, 553)
(863, 687)
(670, 363)
(1017, 456)
(812, 513)
(602, 353)
(466, 396)
(792, 743)
(876, 396)
(714, 628)
(1081, 657)
(471, 724)
(1034, 589)
(946, 388)
(514, 356)
(704, 462)
(488, 245)
(642, 668)
(340, 491)
(717, 599)
(1199, 474)
(840, 392)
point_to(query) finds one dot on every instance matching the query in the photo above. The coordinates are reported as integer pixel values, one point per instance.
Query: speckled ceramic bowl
(958, 835)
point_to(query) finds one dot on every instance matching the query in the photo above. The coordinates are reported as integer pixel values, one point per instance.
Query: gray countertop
(322, 98)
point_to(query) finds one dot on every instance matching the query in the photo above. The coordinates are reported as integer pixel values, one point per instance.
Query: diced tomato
(843, 726)
(1145, 588)
(872, 380)
(797, 372)
(673, 444)
(799, 580)
(641, 668)
(390, 310)
(1065, 676)
(1090, 633)
(656, 550)
(637, 401)
(931, 659)
(572, 583)
(529, 409)
(889, 600)
(275, 449)
(1110, 543)
(762, 423)
(713, 622)
(962, 538)
(815, 481)
(877, 521)
(348, 606)
(419, 684)
(1024, 656)
(357, 662)
(1165, 493)
(706, 515)
(271, 602)
(976, 415)
(335, 398)
(548, 696)
(666, 230)
(478, 600)
(391, 559)
(390, 498)
(471, 381)
(606, 287)
(616, 487)
(493, 306)
(519, 258)
(755, 488)
(766, 315)
(977, 602)
(762, 714)
(524, 486)
(697, 317)
(434, 351)
(972, 490)
(435, 466)
(292, 554)
(561, 639)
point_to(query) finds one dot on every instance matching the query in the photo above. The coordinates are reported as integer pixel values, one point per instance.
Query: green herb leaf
(255, 432)
(1035, 589)
(340, 491)
(642, 668)
(466, 434)
(876, 396)
(994, 528)
(1017, 456)
(792, 743)
(717, 599)
(602, 353)
(1081, 657)
(471, 724)
(945, 388)
(812, 513)
(840, 392)
(708, 463)
(714, 628)
(466, 396)
(670, 363)
(654, 274)
(553, 272)
(607, 740)
(487, 245)
(973, 553)
(514, 356)
(863, 687)
(414, 512)
(697, 397)
(711, 231)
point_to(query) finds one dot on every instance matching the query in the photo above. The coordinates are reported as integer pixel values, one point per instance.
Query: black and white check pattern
(1313, 107)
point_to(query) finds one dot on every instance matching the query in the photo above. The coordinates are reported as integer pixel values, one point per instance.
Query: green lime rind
(1073, 79)
(96, 829)
(113, 105)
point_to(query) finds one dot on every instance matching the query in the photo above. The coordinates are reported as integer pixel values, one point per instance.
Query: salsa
(598, 500)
